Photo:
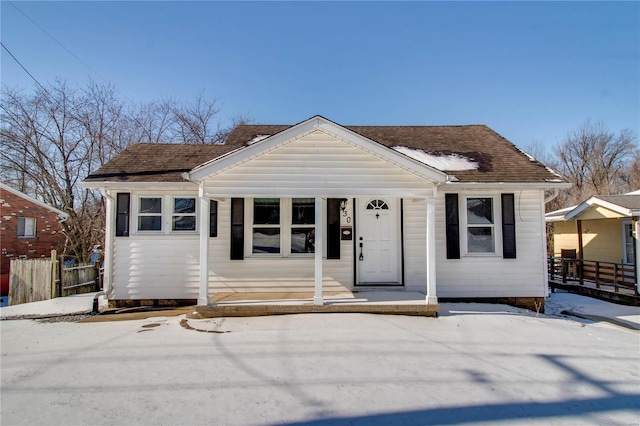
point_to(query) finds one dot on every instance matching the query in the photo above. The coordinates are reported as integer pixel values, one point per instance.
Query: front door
(377, 242)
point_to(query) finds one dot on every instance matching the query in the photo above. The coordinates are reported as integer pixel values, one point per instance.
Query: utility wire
(56, 40)
(23, 67)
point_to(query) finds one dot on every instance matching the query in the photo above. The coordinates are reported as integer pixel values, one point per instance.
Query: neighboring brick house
(28, 229)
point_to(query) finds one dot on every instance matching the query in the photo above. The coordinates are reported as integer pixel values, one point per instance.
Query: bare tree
(596, 161)
(51, 139)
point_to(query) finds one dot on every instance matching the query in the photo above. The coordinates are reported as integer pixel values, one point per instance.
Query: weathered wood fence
(33, 280)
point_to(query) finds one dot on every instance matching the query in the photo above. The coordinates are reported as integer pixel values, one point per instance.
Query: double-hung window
(26, 227)
(266, 225)
(150, 214)
(183, 217)
(303, 229)
(481, 227)
(283, 226)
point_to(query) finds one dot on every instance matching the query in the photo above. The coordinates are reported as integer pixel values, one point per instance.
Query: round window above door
(377, 205)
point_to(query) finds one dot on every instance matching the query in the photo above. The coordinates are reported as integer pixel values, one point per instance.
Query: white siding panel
(494, 276)
(263, 274)
(316, 164)
(415, 248)
(156, 267)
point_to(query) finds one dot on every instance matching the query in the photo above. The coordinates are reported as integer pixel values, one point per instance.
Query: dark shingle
(499, 160)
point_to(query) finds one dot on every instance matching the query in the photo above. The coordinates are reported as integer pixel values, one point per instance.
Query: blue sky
(532, 71)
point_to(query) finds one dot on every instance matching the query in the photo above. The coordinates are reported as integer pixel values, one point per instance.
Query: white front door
(377, 242)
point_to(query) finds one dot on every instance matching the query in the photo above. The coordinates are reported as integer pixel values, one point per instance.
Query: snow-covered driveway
(476, 364)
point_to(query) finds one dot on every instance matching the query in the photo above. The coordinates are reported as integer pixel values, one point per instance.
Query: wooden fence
(33, 280)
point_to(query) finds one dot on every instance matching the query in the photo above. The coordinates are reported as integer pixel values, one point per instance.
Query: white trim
(63, 216)
(595, 201)
(431, 297)
(309, 126)
(457, 186)
(141, 186)
(497, 225)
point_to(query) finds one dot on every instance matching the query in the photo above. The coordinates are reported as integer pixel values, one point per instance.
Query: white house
(455, 212)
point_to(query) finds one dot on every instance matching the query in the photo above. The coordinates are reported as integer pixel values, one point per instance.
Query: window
(213, 218)
(266, 225)
(150, 214)
(303, 212)
(480, 226)
(283, 226)
(26, 227)
(183, 217)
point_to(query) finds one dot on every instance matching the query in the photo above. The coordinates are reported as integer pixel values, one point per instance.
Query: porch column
(636, 248)
(432, 299)
(203, 220)
(319, 237)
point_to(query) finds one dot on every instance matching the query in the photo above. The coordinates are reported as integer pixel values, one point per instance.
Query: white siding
(263, 274)
(316, 165)
(494, 276)
(156, 267)
(415, 248)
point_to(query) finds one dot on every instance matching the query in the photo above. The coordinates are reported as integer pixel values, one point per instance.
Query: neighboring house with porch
(455, 212)
(602, 229)
(29, 229)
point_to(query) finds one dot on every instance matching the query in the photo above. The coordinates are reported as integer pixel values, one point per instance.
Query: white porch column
(432, 299)
(203, 220)
(636, 223)
(319, 237)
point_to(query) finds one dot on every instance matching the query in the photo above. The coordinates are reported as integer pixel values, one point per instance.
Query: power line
(56, 40)
(23, 67)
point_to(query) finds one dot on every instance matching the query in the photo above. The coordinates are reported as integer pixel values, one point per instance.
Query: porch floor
(259, 304)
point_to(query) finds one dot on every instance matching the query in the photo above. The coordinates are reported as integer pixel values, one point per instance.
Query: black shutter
(508, 227)
(123, 201)
(453, 226)
(333, 228)
(237, 228)
(213, 218)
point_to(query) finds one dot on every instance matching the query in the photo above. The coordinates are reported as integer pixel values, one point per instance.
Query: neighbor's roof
(498, 159)
(29, 198)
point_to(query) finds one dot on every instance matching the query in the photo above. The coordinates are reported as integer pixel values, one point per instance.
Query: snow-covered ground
(475, 364)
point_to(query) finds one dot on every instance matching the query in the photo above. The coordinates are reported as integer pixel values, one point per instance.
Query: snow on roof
(257, 138)
(450, 162)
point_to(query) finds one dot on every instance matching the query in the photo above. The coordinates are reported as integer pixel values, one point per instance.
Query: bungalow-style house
(29, 229)
(604, 228)
(451, 211)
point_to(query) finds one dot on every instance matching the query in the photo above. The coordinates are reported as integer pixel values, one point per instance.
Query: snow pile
(451, 162)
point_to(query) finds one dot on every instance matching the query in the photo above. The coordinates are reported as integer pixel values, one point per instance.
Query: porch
(260, 304)
(609, 281)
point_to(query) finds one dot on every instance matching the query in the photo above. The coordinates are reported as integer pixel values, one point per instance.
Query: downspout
(553, 196)
(108, 249)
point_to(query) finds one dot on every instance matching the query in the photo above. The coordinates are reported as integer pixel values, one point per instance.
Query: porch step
(242, 310)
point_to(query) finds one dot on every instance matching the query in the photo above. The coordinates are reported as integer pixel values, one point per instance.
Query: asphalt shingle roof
(499, 160)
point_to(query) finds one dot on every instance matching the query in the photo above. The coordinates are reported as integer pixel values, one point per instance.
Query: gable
(317, 163)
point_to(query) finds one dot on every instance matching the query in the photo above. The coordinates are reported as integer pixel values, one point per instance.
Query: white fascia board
(309, 126)
(454, 186)
(595, 201)
(135, 186)
(64, 216)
